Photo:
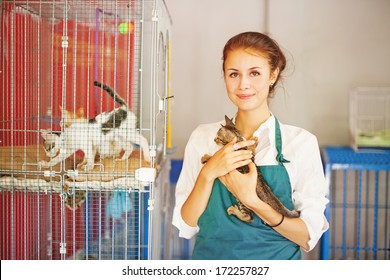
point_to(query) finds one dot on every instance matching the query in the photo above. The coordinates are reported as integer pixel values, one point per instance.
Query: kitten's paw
(205, 158)
(245, 217)
(253, 147)
(125, 156)
(148, 159)
(81, 164)
(43, 164)
(233, 210)
(240, 214)
(292, 214)
(245, 214)
(89, 166)
(256, 140)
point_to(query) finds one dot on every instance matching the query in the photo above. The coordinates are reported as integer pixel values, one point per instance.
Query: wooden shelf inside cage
(21, 162)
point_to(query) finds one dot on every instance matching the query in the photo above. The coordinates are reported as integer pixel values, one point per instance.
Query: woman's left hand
(242, 186)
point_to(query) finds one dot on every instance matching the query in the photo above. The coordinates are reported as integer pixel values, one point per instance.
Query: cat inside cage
(75, 127)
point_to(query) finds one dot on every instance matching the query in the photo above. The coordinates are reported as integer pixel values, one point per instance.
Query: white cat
(107, 135)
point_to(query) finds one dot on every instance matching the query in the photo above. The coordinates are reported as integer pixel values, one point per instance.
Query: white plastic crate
(370, 117)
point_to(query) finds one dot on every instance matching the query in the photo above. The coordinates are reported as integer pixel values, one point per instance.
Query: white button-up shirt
(300, 147)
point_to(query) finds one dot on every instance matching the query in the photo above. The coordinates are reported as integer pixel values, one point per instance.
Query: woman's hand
(242, 186)
(227, 159)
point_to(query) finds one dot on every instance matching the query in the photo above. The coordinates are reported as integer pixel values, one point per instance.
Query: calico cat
(226, 134)
(106, 135)
(110, 149)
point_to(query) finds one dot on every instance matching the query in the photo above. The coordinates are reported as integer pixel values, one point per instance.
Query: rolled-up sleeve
(310, 191)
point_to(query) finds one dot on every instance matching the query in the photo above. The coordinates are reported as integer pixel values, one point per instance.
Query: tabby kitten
(226, 134)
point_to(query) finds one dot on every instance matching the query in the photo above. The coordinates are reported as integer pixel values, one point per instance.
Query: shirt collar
(266, 128)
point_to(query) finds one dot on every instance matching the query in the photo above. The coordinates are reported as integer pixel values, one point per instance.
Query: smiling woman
(252, 65)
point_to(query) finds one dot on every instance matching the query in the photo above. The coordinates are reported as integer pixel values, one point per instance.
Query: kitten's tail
(111, 92)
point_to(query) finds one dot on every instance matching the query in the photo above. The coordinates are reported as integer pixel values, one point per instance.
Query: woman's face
(248, 78)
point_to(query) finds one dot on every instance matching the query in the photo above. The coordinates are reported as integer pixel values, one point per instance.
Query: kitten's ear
(228, 121)
(48, 135)
(80, 113)
(64, 112)
(67, 117)
(44, 133)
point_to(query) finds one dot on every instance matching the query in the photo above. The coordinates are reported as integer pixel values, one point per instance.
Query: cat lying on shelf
(107, 134)
(226, 134)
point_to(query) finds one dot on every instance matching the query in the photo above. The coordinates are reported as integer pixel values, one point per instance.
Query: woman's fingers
(239, 145)
(230, 157)
(241, 163)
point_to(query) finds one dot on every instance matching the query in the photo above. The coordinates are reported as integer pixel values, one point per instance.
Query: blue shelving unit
(359, 210)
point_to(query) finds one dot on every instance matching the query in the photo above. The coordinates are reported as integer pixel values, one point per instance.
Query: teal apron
(226, 237)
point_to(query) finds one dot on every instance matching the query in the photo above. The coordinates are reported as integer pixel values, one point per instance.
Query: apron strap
(278, 142)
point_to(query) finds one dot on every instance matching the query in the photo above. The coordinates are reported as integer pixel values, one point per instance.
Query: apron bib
(227, 238)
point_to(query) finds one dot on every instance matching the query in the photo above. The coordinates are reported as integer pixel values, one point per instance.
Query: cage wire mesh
(370, 117)
(71, 148)
(360, 205)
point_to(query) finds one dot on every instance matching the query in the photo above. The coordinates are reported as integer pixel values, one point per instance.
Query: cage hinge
(150, 204)
(145, 174)
(155, 15)
(163, 103)
(72, 173)
(153, 150)
(62, 248)
(48, 173)
(65, 42)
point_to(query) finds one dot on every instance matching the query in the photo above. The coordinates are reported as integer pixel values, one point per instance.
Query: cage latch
(155, 15)
(48, 173)
(153, 150)
(72, 173)
(62, 248)
(162, 104)
(150, 204)
(65, 42)
(145, 174)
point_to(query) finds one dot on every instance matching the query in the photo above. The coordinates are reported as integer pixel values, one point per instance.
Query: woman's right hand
(222, 162)
(226, 159)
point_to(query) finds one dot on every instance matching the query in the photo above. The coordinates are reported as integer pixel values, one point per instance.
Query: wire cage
(84, 127)
(370, 117)
(359, 208)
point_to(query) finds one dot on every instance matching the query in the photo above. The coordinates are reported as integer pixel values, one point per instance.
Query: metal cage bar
(51, 52)
(359, 204)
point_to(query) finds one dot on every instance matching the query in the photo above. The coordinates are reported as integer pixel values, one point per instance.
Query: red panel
(31, 82)
(32, 67)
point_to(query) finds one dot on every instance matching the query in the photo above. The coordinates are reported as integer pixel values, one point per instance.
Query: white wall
(332, 47)
(337, 45)
(200, 30)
